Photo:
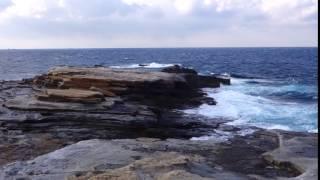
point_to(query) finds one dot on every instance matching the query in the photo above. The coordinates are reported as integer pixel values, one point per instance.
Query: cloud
(291, 11)
(159, 22)
(4, 4)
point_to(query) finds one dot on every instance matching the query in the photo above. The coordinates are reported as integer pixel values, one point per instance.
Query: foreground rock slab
(120, 156)
(297, 154)
(150, 158)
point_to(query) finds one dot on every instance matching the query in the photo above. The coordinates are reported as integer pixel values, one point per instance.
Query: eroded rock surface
(71, 104)
(147, 158)
(60, 125)
(296, 153)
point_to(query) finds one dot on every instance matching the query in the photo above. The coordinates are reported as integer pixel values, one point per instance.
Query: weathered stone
(105, 92)
(223, 79)
(108, 75)
(297, 154)
(71, 95)
(139, 103)
(30, 103)
(208, 81)
(161, 166)
(155, 159)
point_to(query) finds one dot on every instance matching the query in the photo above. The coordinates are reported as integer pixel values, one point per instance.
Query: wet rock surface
(61, 125)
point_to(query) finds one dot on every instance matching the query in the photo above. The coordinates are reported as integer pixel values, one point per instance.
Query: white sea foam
(313, 131)
(147, 65)
(222, 136)
(276, 126)
(245, 104)
(218, 136)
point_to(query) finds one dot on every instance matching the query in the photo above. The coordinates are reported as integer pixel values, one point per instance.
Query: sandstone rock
(112, 82)
(138, 104)
(104, 92)
(161, 166)
(30, 103)
(105, 75)
(71, 95)
(152, 88)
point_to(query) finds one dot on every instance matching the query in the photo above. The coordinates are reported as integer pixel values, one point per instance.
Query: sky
(157, 23)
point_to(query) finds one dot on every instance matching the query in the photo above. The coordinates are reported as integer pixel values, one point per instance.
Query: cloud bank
(157, 23)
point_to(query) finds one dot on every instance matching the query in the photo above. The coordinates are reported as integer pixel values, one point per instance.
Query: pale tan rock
(181, 175)
(71, 95)
(161, 166)
(109, 80)
(30, 103)
(104, 92)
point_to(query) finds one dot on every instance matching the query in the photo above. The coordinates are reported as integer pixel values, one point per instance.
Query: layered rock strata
(59, 126)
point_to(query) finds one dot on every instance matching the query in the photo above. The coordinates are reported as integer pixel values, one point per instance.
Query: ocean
(272, 88)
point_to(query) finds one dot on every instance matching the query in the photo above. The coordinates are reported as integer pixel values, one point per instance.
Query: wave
(255, 104)
(276, 89)
(145, 65)
(222, 136)
(240, 76)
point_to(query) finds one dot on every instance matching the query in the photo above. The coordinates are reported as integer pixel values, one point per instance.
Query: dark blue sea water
(272, 87)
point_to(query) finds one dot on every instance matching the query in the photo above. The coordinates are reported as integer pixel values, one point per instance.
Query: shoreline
(109, 104)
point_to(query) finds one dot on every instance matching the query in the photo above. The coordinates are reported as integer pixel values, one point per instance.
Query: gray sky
(157, 23)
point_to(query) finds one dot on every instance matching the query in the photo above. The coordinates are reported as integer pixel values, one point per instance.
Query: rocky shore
(105, 123)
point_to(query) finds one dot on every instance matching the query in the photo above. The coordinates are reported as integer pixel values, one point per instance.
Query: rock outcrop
(71, 95)
(71, 104)
(116, 81)
(112, 97)
(60, 125)
(242, 157)
(179, 69)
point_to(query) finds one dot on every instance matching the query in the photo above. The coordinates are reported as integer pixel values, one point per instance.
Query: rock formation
(88, 123)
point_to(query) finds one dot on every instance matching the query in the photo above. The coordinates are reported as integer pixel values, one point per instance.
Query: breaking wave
(264, 104)
(144, 65)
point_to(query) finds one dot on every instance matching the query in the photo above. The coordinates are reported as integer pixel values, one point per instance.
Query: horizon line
(72, 48)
